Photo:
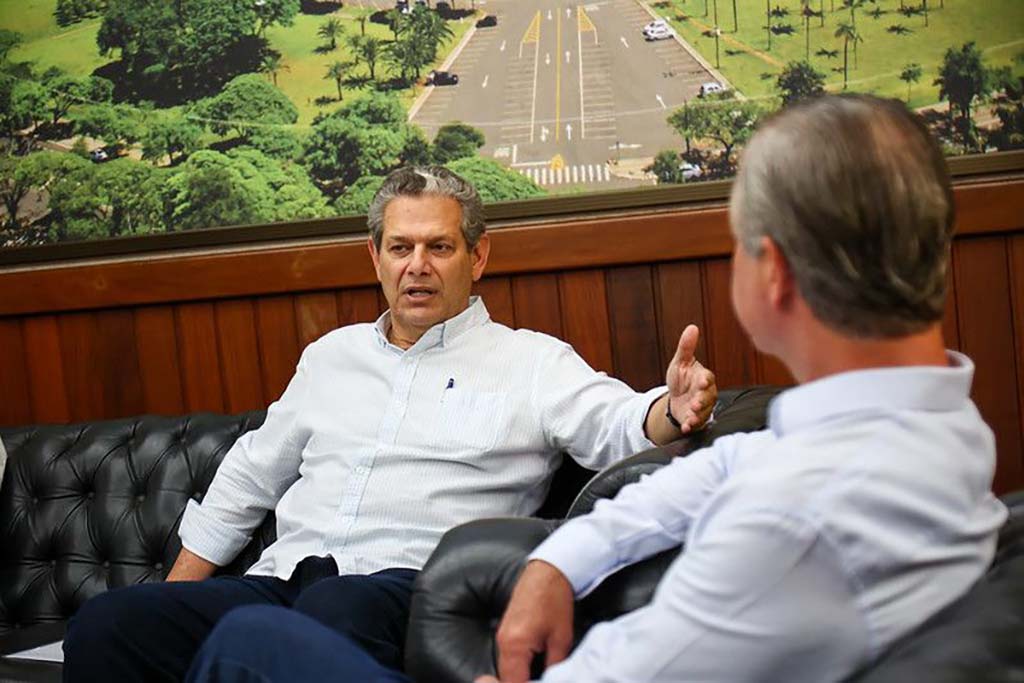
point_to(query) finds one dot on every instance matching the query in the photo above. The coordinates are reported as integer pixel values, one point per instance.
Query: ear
(374, 256)
(479, 254)
(776, 275)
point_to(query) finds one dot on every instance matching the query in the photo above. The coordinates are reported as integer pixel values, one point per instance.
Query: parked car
(402, 6)
(489, 20)
(690, 171)
(654, 25)
(98, 156)
(710, 88)
(658, 33)
(442, 78)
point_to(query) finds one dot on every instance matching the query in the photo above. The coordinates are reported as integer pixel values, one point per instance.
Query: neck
(402, 340)
(821, 352)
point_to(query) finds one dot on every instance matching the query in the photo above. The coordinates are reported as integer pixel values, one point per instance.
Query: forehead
(425, 216)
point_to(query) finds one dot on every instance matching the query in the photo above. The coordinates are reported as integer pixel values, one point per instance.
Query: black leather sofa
(89, 507)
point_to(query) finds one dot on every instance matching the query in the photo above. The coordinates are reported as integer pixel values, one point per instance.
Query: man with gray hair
(388, 435)
(865, 507)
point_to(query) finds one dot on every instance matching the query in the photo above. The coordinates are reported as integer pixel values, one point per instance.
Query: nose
(419, 263)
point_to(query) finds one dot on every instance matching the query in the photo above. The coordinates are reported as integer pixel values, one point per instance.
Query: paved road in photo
(564, 90)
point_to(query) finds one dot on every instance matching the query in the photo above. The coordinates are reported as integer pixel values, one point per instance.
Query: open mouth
(419, 293)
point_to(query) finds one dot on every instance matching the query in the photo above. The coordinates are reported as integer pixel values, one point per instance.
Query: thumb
(687, 345)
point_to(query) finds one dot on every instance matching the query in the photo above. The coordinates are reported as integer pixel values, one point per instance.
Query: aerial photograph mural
(136, 117)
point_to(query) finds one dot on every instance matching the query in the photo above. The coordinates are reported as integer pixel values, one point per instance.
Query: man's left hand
(691, 387)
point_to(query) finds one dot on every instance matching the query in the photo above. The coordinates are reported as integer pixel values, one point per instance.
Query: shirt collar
(442, 333)
(919, 387)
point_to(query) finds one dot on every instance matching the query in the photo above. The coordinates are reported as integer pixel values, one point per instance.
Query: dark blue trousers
(151, 632)
(262, 644)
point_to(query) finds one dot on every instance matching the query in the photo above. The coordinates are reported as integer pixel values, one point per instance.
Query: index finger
(513, 666)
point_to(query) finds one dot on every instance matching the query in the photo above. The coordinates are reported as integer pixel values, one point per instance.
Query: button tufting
(158, 566)
(106, 564)
(35, 501)
(53, 563)
(139, 498)
(91, 495)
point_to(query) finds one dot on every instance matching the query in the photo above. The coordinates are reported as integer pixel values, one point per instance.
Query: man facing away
(813, 545)
(388, 435)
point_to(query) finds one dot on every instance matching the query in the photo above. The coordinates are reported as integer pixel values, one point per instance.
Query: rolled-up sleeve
(253, 476)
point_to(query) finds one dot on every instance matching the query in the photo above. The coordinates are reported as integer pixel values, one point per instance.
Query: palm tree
(368, 49)
(768, 20)
(924, 6)
(807, 13)
(735, 19)
(718, 32)
(271, 64)
(330, 30)
(911, 74)
(336, 72)
(361, 18)
(847, 32)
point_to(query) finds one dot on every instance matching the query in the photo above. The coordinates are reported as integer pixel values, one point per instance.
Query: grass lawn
(301, 77)
(997, 26)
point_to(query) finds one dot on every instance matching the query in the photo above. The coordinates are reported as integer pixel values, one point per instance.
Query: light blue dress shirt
(373, 452)
(810, 547)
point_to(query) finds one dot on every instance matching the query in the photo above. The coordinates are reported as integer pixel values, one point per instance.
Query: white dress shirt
(372, 452)
(810, 547)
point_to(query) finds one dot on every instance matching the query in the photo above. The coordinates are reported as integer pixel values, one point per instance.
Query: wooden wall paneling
(45, 369)
(634, 327)
(278, 343)
(199, 358)
(679, 301)
(1016, 245)
(358, 306)
(770, 370)
(15, 400)
(497, 294)
(101, 364)
(950, 326)
(239, 355)
(535, 298)
(583, 300)
(732, 355)
(986, 335)
(160, 374)
(316, 314)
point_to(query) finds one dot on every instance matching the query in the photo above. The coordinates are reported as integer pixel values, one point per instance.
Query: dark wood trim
(538, 247)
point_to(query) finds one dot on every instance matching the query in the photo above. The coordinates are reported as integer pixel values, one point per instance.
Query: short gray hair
(855, 192)
(415, 181)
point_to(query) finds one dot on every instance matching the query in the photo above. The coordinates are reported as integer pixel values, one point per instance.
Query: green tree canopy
(357, 197)
(36, 171)
(22, 105)
(963, 77)
(377, 108)
(241, 187)
(800, 81)
(64, 91)
(494, 182)
(246, 103)
(121, 197)
(114, 124)
(725, 121)
(340, 150)
(666, 167)
(170, 137)
(456, 140)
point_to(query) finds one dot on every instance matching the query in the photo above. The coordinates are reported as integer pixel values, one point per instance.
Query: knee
(96, 621)
(337, 601)
(248, 628)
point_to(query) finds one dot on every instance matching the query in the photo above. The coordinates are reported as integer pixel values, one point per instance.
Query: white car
(656, 24)
(658, 33)
(690, 171)
(710, 88)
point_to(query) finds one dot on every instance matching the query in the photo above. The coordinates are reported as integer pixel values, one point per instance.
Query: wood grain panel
(101, 365)
(770, 370)
(585, 325)
(45, 369)
(986, 335)
(316, 315)
(732, 356)
(199, 358)
(157, 342)
(239, 355)
(950, 330)
(278, 343)
(643, 236)
(679, 299)
(15, 401)
(1017, 299)
(535, 298)
(497, 295)
(634, 327)
(358, 306)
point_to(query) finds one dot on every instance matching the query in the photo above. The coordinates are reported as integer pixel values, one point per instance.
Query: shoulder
(342, 339)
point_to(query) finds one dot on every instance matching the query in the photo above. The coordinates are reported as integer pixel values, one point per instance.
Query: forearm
(657, 426)
(191, 567)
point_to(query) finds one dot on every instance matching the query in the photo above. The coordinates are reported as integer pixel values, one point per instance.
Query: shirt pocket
(471, 419)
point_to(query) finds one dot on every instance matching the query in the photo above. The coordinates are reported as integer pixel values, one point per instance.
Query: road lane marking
(584, 23)
(486, 78)
(558, 76)
(549, 15)
(568, 131)
(567, 53)
(543, 174)
(547, 59)
(502, 48)
(623, 39)
(580, 16)
(533, 35)
(660, 101)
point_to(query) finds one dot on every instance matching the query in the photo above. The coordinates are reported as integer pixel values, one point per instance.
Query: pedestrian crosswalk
(568, 175)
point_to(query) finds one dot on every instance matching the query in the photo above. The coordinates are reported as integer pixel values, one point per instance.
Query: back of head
(415, 181)
(855, 192)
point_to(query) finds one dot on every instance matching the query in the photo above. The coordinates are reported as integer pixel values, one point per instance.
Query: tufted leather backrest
(89, 507)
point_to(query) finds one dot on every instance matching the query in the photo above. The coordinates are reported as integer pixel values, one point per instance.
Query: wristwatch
(672, 418)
